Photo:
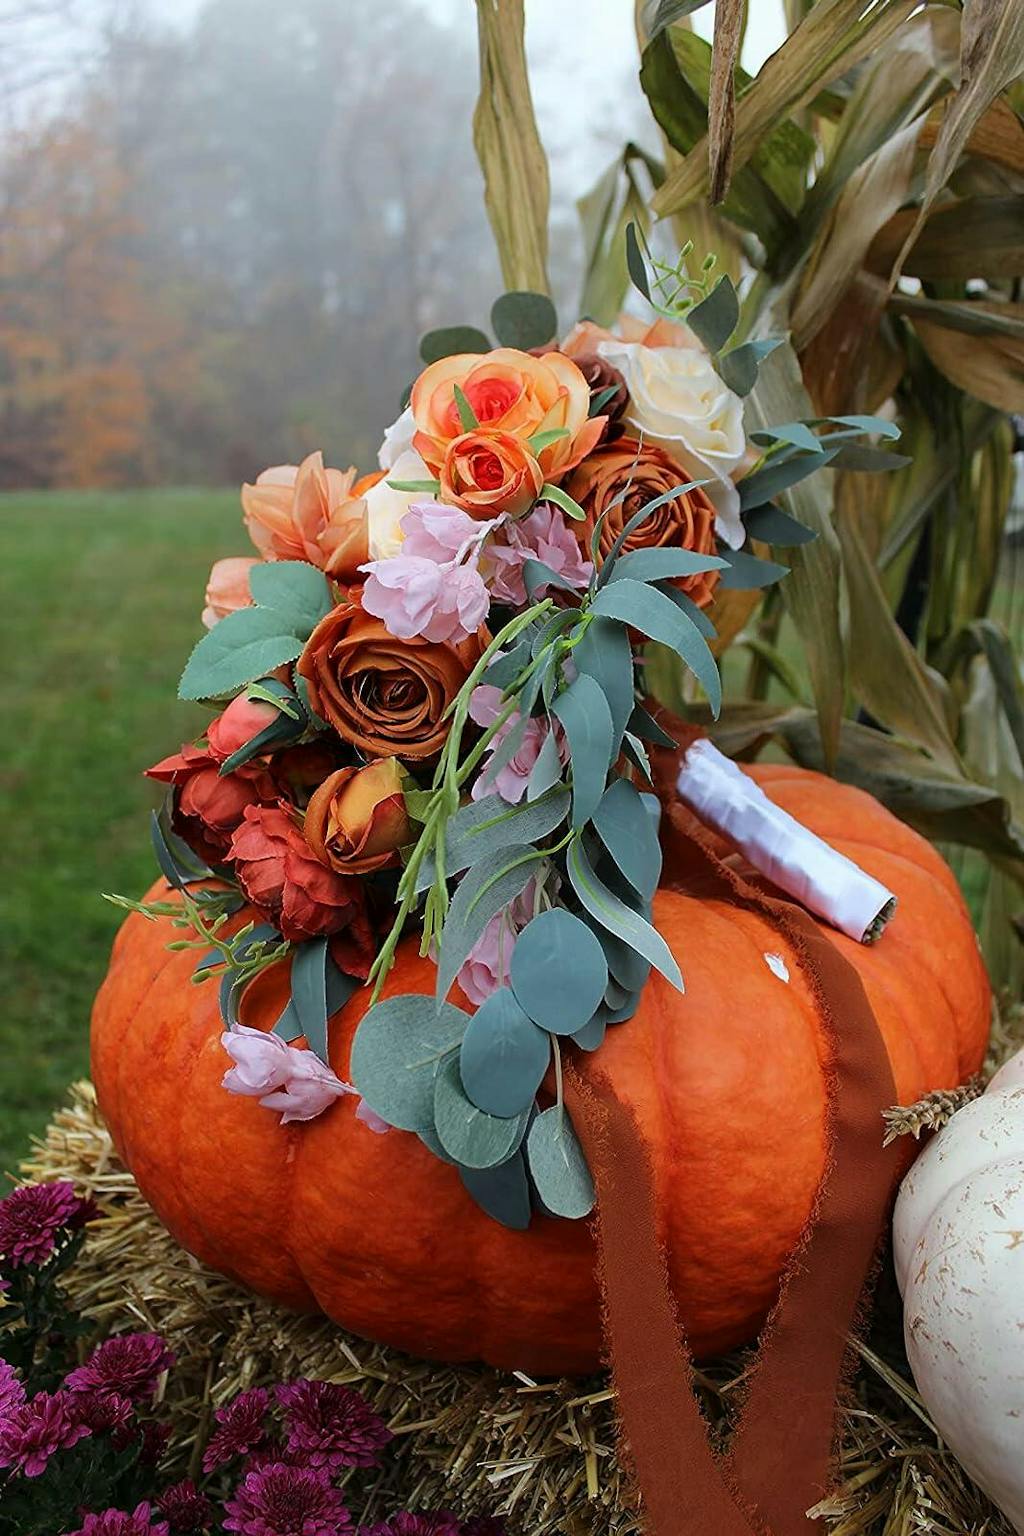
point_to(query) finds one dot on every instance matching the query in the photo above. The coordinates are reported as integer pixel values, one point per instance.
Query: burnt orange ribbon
(780, 1460)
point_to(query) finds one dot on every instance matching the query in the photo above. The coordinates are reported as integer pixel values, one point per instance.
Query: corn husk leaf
(972, 237)
(615, 201)
(508, 146)
(990, 365)
(722, 95)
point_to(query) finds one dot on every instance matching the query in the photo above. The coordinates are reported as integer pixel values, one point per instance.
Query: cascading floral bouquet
(432, 720)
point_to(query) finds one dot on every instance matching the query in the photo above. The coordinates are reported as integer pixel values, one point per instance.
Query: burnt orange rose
(356, 821)
(644, 472)
(307, 512)
(508, 391)
(486, 472)
(385, 696)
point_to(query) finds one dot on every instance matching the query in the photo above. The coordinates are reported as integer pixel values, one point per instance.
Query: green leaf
(773, 526)
(558, 971)
(583, 712)
(715, 318)
(654, 614)
(490, 886)
(237, 650)
(547, 769)
(796, 434)
(474, 1139)
(696, 615)
(626, 966)
(746, 572)
(779, 474)
(612, 913)
(428, 487)
(483, 827)
(537, 576)
(605, 654)
(450, 340)
(524, 320)
(294, 589)
(564, 500)
(664, 564)
(282, 729)
(503, 1191)
(640, 516)
(591, 1036)
(396, 1053)
(738, 368)
(647, 728)
(630, 834)
(635, 263)
(504, 1056)
(178, 864)
(467, 415)
(541, 440)
(309, 992)
(558, 1166)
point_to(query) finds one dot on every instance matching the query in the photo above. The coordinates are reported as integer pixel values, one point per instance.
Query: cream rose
(678, 402)
(385, 507)
(397, 440)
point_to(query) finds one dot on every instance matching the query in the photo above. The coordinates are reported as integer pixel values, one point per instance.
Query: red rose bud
(243, 719)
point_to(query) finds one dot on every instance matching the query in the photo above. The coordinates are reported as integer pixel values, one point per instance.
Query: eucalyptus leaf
(738, 368)
(504, 1055)
(647, 728)
(240, 648)
(654, 614)
(779, 474)
(309, 992)
(582, 710)
(524, 320)
(484, 827)
(503, 1191)
(630, 834)
(537, 577)
(492, 884)
(664, 564)
(558, 971)
(605, 654)
(450, 340)
(507, 665)
(396, 1052)
(547, 769)
(626, 966)
(697, 616)
(178, 864)
(558, 1166)
(746, 571)
(773, 526)
(715, 318)
(474, 1139)
(635, 263)
(591, 1036)
(613, 913)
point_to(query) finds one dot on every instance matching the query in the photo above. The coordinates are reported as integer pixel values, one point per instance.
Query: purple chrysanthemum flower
(12, 1393)
(32, 1217)
(281, 1500)
(408, 1524)
(103, 1413)
(187, 1509)
(330, 1426)
(129, 1365)
(118, 1522)
(34, 1431)
(241, 1429)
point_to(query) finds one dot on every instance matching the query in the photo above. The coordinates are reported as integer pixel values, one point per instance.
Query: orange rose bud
(644, 472)
(487, 472)
(356, 821)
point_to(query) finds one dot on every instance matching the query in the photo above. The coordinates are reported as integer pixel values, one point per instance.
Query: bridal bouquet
(430, 727)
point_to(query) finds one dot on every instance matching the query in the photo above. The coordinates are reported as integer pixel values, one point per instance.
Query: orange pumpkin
(728, 1082)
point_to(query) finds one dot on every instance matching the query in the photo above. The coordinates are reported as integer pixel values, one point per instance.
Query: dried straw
(469, 1438)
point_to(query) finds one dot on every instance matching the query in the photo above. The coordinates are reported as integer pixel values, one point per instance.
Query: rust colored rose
(356, 821)
(307, 512)
(686, 521)
(286, 884)
(508, 391)
(386, 697)
(486, 472)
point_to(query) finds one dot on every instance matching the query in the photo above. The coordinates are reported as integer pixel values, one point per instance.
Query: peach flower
(508, 391)
(307, 512)
(227, 588)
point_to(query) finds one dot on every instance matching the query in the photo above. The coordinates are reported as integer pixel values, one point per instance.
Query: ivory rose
(486, 472)
(307, 512)
(618, 479)
(356, 821)
(386, 506)
(387, 697)
(508, 391)
(227, 588)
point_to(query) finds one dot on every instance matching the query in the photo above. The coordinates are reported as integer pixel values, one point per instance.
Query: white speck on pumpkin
(777, 966)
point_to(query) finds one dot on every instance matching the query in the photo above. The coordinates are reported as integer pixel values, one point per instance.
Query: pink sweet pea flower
(439, 533)
(487, 965)
(281, 1076)
(414, 596)
(544, 535)
(509, 782)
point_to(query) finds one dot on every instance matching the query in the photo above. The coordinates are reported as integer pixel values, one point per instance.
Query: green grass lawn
(100, 595)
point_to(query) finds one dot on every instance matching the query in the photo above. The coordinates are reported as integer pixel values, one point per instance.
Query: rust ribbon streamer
(780, 1460)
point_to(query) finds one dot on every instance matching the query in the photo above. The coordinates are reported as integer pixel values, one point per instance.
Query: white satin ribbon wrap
(827, 883)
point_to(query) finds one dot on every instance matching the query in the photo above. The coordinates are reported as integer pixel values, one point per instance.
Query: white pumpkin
(959, 1252)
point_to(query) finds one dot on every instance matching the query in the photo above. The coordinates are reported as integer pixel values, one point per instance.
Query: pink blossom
(371, 1119)
(414, 596)
(439, 533)
(34, 1431)
(544, 535)
(510, 781)
(281, 1076)
(487, 966)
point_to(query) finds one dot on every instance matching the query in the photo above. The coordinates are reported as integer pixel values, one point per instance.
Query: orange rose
(585, 337)
(307, 512)
(508, 391)
(356, 821)
(644, 472)
(387, 697)
(487, 472)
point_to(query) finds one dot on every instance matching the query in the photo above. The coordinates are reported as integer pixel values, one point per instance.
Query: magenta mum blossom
(282, 1500)
(118, 1522)
(330, 1426)
(241, 1429)
(188, 1511)
(32, 1217)
(129, 1364)
(36, 1430)
(105, 1413)
(12, 1392)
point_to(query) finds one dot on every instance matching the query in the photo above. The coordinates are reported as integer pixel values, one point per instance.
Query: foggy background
(224, 224)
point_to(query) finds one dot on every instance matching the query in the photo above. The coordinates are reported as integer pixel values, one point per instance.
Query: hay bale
(470, 1438)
